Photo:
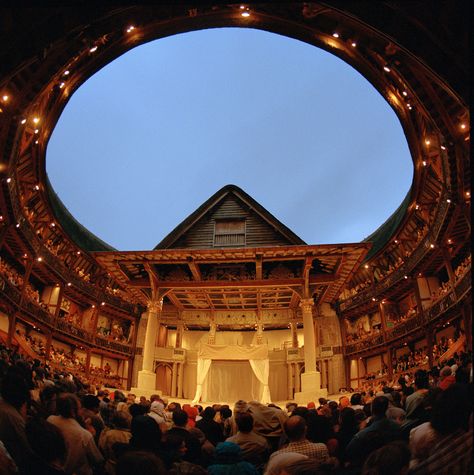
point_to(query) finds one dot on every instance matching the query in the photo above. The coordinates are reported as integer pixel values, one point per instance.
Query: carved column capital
(307, 305)
(155, 306)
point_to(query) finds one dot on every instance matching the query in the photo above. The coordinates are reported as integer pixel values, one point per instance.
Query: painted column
(147, 377)
(289, 372)
(294, 335)
(173, 379)
(309, 339)
(311, 378)
(180, 380)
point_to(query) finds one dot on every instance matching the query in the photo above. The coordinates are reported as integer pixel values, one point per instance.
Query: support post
(147, 377)
(311, 378)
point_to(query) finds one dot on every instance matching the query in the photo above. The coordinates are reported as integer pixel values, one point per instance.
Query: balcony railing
(407, 267)
(10, 292)
(416, 322)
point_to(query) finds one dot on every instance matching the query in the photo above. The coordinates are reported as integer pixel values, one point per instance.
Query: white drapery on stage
(256, 355)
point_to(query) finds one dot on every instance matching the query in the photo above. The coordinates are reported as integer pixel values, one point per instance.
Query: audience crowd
(53, 422)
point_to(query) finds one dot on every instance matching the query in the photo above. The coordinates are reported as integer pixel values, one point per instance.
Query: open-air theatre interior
(232, 304)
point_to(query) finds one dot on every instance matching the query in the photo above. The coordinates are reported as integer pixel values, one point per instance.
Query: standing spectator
(212, 430)
(82, 453)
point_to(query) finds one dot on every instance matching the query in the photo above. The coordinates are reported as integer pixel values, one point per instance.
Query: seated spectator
(446, 378)
(451, 451)
(48, 446)
(120, 433)
(15, 395)
(391, 459)
(91, 417)
(295, 429)
(255, 448)
(140, 463)
(228, 461)
(157, 413)
(191, 441)
(379, 432)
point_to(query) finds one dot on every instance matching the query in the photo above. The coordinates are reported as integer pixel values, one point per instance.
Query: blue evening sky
(152, 135)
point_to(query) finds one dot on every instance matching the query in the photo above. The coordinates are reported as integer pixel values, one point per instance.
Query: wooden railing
(406, 268)
(405, 328)
(11, 293)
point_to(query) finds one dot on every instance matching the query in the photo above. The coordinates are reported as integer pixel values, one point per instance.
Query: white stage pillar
(310, 379)
(147, 377)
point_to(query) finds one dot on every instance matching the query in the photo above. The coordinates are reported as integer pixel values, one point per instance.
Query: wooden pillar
(3, 233)
(429, 344)
(180, 380)
(289, 373)
(297, 377)
(58, 306)
(88, 361)
(419, 305)
(179, 335)
(383, 320)
(173, 379)
(11, 328)
(448, 265)
(130, 372)
(390, 362)
(309, 339)
(26, 280)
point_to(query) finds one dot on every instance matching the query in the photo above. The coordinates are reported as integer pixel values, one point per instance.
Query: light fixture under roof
(93, 49)
(335, 34)
(386, 69)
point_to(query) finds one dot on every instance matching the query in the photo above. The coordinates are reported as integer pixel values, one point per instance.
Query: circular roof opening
(146, 140)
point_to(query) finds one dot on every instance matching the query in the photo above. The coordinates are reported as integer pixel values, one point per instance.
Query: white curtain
(229, 381)
(261, 368)
(203, 366)
(256, 355)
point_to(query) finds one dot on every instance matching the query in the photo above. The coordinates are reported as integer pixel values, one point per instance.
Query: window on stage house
(229, 233)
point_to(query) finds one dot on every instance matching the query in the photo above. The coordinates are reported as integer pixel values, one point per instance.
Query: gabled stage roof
(273, 273)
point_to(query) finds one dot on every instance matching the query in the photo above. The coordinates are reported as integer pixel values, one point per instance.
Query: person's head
(300, 411)
(295, 428)
(319, 428)
(137, 410)
(226, 412)
(91, 402)
(68, 405)
(422, 379)
(146, 433)
(379, 406)
(446, 371)
(343, 402)
(391, 459)
(290, 406)
(175, 445)
(356, 399)
(139, 463)
(15, 390)
(208, 414)
(322, 401)
(347, 419)
(121, 420)
(244, 422)
(180, 418)
(46, 440)
(396, 414)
